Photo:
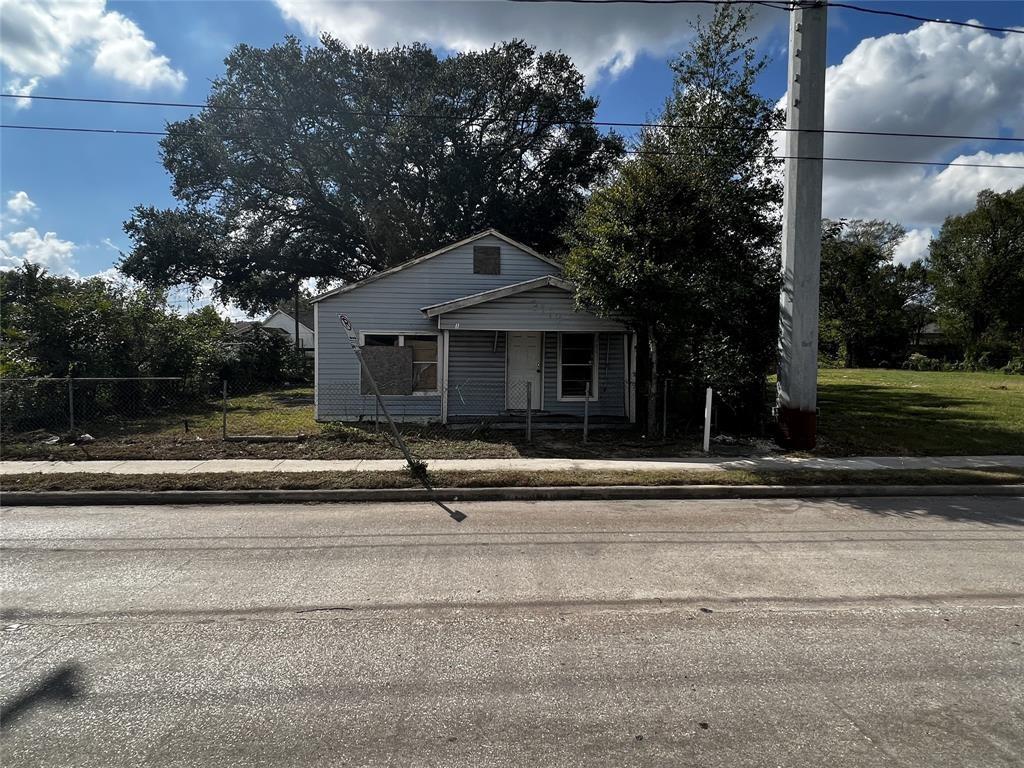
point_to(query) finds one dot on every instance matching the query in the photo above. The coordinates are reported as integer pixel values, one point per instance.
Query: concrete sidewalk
(143, 467)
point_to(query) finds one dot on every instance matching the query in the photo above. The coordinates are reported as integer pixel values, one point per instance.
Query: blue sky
(887, 74)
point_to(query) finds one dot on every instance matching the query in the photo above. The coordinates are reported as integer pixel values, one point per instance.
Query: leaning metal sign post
(418, 469)
(351, 333)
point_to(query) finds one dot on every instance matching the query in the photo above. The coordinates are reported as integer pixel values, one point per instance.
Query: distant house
(482, 327)
(283, 323)
(930, 335)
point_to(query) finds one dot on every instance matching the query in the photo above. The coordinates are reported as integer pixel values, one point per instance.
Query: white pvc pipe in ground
(707, 421)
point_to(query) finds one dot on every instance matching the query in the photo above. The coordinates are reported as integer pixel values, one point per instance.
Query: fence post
(529, 411)
(586, 413)
(71, 405)
(224, 410)
(664, 409)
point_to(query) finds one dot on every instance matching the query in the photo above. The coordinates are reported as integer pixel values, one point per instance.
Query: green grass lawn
(289, 412)
(862, 412)
(874, 412)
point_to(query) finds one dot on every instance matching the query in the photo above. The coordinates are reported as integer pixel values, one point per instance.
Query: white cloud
(185, 299)
(917, 196)
(47, 250)
(22, 88)
(913, 247)
(113, 246)
(933, 79)
(600, 40)
(20, 204)
(113, 276)
(39, 39)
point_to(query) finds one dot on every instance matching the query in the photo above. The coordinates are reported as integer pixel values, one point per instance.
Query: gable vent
(486, 260)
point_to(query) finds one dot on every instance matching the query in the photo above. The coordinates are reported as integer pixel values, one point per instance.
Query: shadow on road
(63, 686)
(986, 510)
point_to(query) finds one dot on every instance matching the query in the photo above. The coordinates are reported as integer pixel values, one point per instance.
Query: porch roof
(496, 293)
(541, 304)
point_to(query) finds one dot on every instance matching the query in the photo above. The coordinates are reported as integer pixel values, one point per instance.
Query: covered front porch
(526, 347)
(558, 375)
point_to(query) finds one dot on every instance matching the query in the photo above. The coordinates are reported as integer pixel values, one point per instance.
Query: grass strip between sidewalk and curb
(254, 481)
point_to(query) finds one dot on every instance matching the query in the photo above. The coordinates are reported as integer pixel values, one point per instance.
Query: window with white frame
(424, 355)
(577, 365)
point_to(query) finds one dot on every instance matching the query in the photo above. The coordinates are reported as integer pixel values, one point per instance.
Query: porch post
(632, 380)
(444, 376)
(529, 409)
(586, 413)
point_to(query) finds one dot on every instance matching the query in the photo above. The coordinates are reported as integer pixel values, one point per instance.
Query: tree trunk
(647, 381)
(643, 373)
(652, 390)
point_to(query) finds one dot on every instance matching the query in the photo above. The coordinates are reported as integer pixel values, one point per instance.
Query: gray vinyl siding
(611, 400)
(392, 304)
(476, 373)
(542, 309)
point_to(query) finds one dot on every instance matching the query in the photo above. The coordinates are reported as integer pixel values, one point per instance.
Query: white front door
(524, 365)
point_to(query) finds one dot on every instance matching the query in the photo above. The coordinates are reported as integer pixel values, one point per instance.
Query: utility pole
(801, 227)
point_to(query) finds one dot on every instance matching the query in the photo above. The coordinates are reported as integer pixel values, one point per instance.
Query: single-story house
(283, 322)
(930, 335)
(479, 328)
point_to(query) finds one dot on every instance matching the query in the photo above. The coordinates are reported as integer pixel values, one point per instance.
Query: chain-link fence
(465, 406)
(172, 417)
(680, 410)
(99, 406)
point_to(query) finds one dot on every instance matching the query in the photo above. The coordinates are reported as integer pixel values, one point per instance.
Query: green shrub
(919, 362)
(1015, 366)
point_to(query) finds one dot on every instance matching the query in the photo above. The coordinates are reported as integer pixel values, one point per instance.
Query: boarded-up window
(401, 363)
(486, 260)
(391, 368)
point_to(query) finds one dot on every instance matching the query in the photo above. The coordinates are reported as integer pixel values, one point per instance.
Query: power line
(66, 129)
(846, 160)
(419, 116)
(912, 17)
(786, 5)
(133, 132)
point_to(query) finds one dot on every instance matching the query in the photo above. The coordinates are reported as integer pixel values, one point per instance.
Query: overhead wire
(780, 5)
(136, 132)
(535, 121)
(789, 5)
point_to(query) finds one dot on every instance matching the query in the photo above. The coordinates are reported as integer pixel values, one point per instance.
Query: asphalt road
(869, 632)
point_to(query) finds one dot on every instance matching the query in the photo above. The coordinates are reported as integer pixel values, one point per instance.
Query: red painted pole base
(797, 429)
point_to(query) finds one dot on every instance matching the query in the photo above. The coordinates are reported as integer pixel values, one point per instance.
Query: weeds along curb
(560, 493)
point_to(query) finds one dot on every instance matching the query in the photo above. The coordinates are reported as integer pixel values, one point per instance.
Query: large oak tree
(331, 162)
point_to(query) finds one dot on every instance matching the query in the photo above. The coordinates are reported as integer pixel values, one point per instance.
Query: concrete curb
(562, 493)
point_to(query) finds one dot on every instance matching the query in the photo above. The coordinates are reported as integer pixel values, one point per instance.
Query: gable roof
(240, 327)
(412, 262)
(305, 317)
(497, 293)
